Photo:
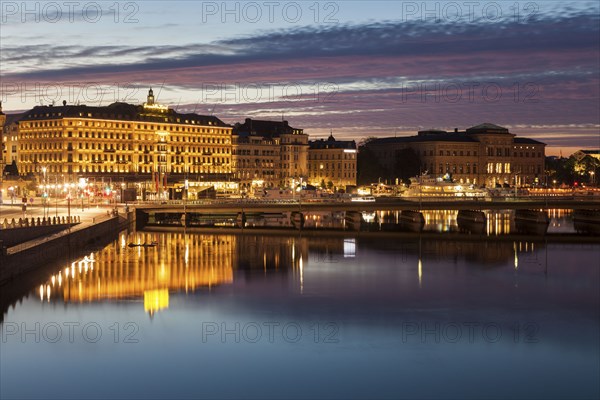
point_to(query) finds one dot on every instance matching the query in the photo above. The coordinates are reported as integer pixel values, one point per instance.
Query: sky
(354, 68)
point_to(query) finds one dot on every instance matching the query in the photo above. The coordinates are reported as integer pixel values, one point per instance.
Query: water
(322, 315)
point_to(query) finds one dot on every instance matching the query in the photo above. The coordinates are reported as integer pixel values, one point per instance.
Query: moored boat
(587, 216)
(471, 216)
(533, 216)
(433, 188)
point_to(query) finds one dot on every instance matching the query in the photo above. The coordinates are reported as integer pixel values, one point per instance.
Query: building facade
(10, 139)
(485, 154)
(292, 165)
(2, 140)
(332, 161)
(124, 141)
(256, 161)
(581, 154)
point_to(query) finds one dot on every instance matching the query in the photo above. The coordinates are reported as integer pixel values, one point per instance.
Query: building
(332, 161)
(485, 154)
(581, 154)
(10, 139)
(2, 140)
(293, 150)
(130, 143)
(255, 161)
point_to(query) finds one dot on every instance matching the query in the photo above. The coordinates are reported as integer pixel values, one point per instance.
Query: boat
(531, 222)
(410, 220)
(411, 216)
(297, 219)
(587, 216)
(363, 199)
(471, 216)
(428, 187)
(353, 220)
(532, 216)
(587, 221)
(471, 221)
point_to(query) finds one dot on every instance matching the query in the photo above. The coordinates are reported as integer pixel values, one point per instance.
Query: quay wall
(13, 236)
(35, 254)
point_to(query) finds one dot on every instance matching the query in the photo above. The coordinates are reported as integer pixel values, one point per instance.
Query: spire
(331, 138)
(150, 100)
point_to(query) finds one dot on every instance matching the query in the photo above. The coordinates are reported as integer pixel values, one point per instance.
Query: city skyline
(408, 66)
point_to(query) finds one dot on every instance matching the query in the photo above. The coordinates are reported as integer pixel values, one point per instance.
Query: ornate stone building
(125, 141)
(256, 161)
(332, 161)
(284, 167)
(484, 154)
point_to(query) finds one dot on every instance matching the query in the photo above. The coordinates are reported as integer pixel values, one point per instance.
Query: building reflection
(498, 222)
(148, 266)
(177, 263)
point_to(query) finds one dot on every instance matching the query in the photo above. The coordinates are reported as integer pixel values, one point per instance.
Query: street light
(44, 195)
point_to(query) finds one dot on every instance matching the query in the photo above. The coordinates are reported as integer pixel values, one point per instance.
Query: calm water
(272, 316)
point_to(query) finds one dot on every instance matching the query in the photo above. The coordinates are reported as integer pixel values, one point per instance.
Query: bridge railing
(32, 222)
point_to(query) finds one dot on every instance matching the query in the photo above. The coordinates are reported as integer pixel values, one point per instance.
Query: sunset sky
(359, 68)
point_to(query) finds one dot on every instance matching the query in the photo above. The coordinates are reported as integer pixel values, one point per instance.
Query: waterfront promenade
(94, 225)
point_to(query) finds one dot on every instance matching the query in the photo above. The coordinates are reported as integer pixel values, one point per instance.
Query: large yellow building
(124, 141)
(332, 161)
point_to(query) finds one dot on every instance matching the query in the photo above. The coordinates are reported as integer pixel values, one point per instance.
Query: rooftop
(121, 112)
(436, 135)
(487, 127)
(265, 128)
(331, 143)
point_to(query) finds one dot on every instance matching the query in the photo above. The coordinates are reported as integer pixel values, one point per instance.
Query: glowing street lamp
(44, 194)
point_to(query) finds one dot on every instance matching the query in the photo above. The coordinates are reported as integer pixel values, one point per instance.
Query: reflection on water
(392, 302)
(178, 263)
(185, 262)
(497, 222)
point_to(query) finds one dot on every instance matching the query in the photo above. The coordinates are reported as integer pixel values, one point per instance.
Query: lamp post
(44, 194)
(593, 177)
(185, 191)
(69, 209)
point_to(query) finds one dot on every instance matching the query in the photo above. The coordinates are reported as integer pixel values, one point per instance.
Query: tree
(585, 168)
(407, 165)
(560, 170)
(367, 164)
(11, 169)
(570, 170)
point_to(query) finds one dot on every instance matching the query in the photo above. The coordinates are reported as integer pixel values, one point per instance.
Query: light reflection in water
(122, 272)
(372, 286)
(183, 262)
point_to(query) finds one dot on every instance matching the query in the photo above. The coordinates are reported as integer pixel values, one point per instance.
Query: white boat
(428, 187)
(363, 199)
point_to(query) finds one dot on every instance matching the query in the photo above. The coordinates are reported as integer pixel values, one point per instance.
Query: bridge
(388, 204)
